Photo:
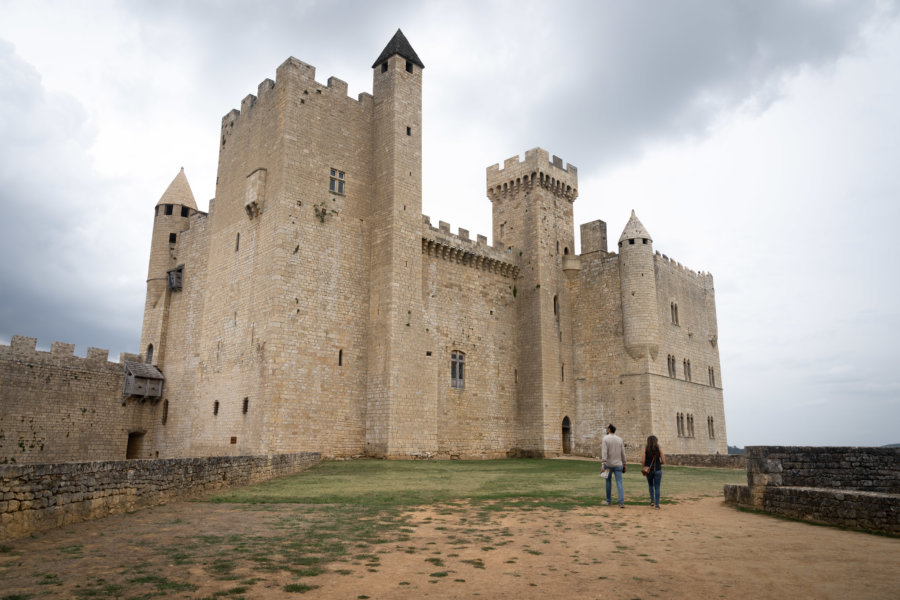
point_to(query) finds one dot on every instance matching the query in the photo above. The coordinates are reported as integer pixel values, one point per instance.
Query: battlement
(293, 69)
(674, 265)
(536, 168)
(23, 349)
(439, 242)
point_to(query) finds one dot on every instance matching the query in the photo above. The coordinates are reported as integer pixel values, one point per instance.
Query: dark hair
(651, 452)
(611, 427)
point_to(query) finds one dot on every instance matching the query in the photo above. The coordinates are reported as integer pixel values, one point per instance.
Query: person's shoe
(621, 506)
(657, 507)
(606, 503)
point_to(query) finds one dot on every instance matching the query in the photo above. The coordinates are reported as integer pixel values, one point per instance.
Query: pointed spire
(179, 192)
(398, 45)
(634, 230)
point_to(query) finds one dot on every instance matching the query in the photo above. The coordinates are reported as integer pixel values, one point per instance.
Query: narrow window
(502, 225)
(409, 66)
(336, 184)
(516, 375)
(457, 370)
(557, 246)
(566, 251)
(173, 237)
(165, 415)
(631, 242)
(216, 407)
(678, 423)
(556, 305)
(149, 353)
(409, 131)
(246, 405)
(184, 211)
(384, 67)
(712, 377)
(168, 209)
(562, 373)
(237, 242)
(341, 357)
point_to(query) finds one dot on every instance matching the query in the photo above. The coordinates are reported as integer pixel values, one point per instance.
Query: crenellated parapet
(440, 243)
(537, 169)
(23, 349)
(701, 277)
(292, 70)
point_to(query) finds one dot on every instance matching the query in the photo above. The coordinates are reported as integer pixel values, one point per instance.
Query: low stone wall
(40, 497)
(721, 461)
(851, 487)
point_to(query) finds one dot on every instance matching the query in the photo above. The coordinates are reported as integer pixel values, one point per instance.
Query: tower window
(336, 185)
(457, 370)
(710, 423)
(556, 305)
(384, 67)
(631, 242)
(215, 408)
(340, 357)
(712, 376)
(409, 66)
(184, 211)
(246, 405)
(674, 309)
(409, 131)
(173, 237)
(168, 209)
(165, 411)
(237, 242)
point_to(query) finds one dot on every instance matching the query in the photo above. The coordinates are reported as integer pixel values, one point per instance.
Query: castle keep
(315, 308)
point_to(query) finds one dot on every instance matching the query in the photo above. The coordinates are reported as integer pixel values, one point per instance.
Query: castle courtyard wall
(55, 406)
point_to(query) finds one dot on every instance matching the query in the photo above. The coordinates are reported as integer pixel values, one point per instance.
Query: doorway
(567, 436)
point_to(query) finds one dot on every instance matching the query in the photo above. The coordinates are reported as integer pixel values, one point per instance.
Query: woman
(653, 460)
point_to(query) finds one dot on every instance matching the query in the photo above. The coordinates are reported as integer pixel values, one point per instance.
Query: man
(613, 458)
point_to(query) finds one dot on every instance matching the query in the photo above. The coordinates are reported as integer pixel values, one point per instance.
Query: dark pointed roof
(398, 45)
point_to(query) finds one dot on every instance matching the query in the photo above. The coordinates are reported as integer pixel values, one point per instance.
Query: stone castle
(315, 308)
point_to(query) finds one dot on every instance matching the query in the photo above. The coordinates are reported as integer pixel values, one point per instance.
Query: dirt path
(700, 548)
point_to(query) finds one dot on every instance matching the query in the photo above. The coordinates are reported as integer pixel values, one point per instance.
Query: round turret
(640, 316)
(171, 219)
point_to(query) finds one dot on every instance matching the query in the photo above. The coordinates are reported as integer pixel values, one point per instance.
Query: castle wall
(695, 338)
(469, 307)
(56, 406)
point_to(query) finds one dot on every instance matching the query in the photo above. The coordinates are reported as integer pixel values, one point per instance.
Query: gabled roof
(634, 230)
(398, 45)
(145, 370)
(179, 192)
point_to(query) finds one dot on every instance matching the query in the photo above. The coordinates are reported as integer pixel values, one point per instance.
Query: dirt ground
(698, 547)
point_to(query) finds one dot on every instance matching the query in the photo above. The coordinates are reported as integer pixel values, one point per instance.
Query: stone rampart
(58, 407)
(850, 487)
(43, 496)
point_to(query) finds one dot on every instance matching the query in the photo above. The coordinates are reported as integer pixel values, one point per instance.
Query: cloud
(57, 233)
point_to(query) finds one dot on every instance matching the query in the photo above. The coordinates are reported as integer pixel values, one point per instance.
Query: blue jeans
(617, 471)
(653, 480)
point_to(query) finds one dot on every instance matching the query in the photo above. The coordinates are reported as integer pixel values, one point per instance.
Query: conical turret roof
(634, 230)
(179, 192)
(398, 45)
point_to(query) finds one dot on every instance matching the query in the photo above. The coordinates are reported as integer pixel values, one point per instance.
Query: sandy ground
(698, 548)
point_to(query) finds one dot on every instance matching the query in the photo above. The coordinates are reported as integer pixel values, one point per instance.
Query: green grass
(558, 484)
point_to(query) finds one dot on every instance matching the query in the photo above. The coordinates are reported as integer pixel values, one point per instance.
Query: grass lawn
(396, 484)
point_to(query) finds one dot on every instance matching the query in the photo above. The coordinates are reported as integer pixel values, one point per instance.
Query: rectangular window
(173, 237)
(336, 185)
(168, 209)
(457, 370)
(246, 406)
(184, 211)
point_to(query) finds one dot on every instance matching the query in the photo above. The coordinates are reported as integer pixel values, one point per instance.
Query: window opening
(246, 405)
(409, 131)
(566, 436)
(457, 370)
(237, 242)
(173, 237)
(409, 66)
(215, 408)
(149, 353)
(384, 67)
(184, 211)
(165, 415)
(168, 209)
(341, 357)
(556, 305)
(336, 184)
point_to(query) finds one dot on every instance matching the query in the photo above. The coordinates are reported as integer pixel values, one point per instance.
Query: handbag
(604, 474)
(645, 470)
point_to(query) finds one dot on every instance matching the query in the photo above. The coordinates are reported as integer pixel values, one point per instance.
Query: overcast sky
(757, 140)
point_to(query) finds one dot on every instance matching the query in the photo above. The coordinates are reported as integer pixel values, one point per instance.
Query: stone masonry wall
(851, 487)
(55, 406)
(40, 497)
(719, 461)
